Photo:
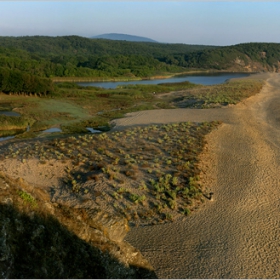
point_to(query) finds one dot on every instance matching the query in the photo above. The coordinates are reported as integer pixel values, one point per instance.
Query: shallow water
(10, 113)
(92, 130)
(52, 129)
(6, 138)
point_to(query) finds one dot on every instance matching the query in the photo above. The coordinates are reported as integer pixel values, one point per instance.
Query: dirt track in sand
(238, 234)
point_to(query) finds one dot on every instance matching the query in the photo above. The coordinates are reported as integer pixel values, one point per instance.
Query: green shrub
(27, 198)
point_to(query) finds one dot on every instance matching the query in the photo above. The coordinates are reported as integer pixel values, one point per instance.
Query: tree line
(222, 58)
(73, 56)
(79, 56)
(15, 81)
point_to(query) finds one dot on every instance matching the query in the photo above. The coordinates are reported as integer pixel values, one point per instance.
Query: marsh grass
(10, 132)
(74, 108)
(231, 92)
(133, 179)
(13, 123)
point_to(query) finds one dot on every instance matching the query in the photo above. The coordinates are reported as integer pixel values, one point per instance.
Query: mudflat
(237, 234)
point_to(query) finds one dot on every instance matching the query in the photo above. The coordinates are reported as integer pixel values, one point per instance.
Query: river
(203, 79)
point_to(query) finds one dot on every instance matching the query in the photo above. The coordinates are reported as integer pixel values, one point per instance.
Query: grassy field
(231, 92)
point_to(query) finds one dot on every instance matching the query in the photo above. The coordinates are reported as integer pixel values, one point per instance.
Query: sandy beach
(237, 234)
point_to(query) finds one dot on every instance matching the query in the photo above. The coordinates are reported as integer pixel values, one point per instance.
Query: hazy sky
(189, 22)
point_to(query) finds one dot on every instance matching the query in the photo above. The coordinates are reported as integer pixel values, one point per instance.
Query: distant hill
(74, 56)
(123, 37)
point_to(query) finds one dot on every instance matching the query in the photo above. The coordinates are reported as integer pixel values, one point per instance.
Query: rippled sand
(238, 234)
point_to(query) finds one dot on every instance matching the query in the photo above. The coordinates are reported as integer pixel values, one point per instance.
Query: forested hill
(242, 57)
(84, 47)
(83, 57)
(74, 56)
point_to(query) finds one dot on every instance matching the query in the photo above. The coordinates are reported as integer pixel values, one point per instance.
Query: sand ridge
(236, 235)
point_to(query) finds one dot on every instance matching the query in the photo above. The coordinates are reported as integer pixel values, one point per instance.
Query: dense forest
(15, 81)
(74, 56)
(261, 56)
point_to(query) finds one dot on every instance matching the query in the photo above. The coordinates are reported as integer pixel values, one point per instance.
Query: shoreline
(126, 79)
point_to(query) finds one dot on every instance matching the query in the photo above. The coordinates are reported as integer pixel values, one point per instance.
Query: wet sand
(237, 234)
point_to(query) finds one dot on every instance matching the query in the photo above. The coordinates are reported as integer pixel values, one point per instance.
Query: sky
(219, 23)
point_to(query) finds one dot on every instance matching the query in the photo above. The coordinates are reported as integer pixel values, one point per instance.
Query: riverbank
(126, 79)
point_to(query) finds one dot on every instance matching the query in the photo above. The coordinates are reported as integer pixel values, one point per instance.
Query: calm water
(203, 79)
(10, 113)
(92, 130)
(52, 129)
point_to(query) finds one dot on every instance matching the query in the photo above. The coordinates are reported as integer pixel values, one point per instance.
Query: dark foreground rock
(39, 239)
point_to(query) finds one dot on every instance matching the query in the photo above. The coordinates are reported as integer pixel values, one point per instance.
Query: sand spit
(237, 234)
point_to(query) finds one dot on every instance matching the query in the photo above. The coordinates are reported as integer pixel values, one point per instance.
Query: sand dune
(237, 234)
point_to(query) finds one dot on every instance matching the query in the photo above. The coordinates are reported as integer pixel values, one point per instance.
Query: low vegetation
(15, 81)
(217, 95)
(148, 174)
(9, 122)
(44, 240)
(74, 108)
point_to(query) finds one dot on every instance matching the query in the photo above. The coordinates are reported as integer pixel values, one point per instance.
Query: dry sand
(238, 234)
